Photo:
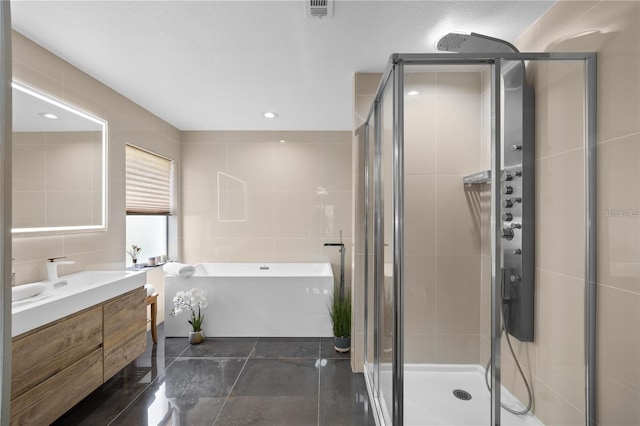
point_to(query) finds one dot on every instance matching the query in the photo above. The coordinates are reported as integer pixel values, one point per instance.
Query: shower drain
(462, 394)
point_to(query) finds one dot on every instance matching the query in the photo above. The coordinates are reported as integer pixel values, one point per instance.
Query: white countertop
(78, 291)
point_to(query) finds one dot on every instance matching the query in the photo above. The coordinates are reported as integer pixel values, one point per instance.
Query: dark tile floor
(231, 381)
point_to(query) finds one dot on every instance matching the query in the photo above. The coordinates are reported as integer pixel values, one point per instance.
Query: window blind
(149, 183)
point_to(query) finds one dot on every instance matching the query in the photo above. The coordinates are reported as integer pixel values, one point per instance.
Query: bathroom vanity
(57, 364)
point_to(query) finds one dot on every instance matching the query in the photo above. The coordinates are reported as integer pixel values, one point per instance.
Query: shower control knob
(507, 190)
(507, 217)
(506, 176)
(507, 233)
(515, 278)
(516, 251)
(516, 226)
(508, 202)
(516, 147)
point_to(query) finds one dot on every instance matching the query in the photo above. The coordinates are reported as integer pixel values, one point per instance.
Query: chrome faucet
(52, 267)
(342, 251)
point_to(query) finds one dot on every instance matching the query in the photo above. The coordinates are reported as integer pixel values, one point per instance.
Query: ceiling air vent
(319, 8)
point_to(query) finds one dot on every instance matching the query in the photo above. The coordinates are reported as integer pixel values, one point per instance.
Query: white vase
(196, 337)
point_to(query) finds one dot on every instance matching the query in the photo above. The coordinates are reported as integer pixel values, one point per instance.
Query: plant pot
(342, 344)
(196, 337)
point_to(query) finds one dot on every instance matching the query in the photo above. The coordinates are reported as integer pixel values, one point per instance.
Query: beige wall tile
(618, 202)
(37, 57)
(366, 83)
(29, 167)
(336, 167)
(29, 209)
(420, 214)
(200, 215)
(618, 65)
(362, 107)
(201, 164)
(558, 24)
(559, 336)
(458, 136)
(458, 83)
(419, 348)
(457, 295)
(297, 167)
(458, 349)
(618, 369)
(298, 215)
(560, 214)
(297, 250)
(559, 107)
(336, 136)
(259, 221)
(201, 249)
(298, 137)
(203, 137)
(458, 217)
(421, 125)
(420, 295)
(253, 164)
(336, 214)
(485, 121)
(250, 250)
(551, 409)
(485, 296)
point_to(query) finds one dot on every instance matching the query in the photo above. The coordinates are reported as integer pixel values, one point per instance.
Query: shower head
(473, 43)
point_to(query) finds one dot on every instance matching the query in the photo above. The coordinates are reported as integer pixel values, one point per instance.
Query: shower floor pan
(429, 397)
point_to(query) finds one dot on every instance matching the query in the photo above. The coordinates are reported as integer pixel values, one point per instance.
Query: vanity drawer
(44, 352)
(53, 397)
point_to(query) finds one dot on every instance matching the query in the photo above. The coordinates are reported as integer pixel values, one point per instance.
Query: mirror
(59, 165)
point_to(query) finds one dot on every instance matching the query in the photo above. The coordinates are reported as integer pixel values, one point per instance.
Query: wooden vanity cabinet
(125, 331)
(57, 365)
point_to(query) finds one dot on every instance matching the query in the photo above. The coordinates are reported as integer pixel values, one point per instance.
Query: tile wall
(267, 196)
(612, 29)
(44, 186)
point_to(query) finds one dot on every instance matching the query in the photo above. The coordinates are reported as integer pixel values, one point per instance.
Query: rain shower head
(474, 43)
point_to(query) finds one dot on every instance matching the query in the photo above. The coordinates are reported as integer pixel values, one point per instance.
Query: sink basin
(67, 295)
(28, 290)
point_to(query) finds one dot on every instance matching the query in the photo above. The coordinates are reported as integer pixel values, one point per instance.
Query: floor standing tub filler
(256, 300)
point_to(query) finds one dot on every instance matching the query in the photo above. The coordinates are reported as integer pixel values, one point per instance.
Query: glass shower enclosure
(465, 186)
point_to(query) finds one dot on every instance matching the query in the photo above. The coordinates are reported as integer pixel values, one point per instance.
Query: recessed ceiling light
(413, 93)
(282, 141)
(49, 115)
(270, 114)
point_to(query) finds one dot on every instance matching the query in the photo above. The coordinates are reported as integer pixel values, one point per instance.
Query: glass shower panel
(371, 366)
(446, 127)
(555, 360)
(473, 269)
(386, 245)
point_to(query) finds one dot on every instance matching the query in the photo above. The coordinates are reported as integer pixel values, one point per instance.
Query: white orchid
(190, 300)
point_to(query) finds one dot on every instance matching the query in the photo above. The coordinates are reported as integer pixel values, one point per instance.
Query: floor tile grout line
(135, 398)
(235, 382)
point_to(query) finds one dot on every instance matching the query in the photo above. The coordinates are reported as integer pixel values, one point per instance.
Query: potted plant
(340, 314)
(192, 300)
(134, 251)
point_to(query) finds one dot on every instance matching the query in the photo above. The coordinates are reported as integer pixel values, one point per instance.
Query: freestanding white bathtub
(256, 300)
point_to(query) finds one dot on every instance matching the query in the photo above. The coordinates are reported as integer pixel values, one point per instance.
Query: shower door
(453, 299)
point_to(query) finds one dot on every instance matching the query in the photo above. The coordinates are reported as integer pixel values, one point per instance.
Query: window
(149, 187)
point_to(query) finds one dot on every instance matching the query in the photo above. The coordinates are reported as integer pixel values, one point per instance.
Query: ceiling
(218, 65)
